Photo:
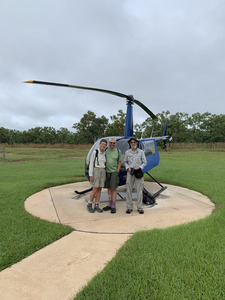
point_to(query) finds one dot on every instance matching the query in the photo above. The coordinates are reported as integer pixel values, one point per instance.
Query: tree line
(198, 128)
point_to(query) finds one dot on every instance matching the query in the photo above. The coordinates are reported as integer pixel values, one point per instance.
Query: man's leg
(113, 203)
(140, 187)
(110, 197)
(113, 195)
(91, 198)
(130, 182)
(98, 194)
(93, 194)
(97, 199)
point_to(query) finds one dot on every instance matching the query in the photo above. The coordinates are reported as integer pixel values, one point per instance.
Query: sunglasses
(112, 143)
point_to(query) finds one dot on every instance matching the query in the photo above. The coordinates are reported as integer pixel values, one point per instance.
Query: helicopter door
(151, 152)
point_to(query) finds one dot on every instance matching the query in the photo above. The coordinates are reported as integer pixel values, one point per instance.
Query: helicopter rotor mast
(129, 116)
(130, 101)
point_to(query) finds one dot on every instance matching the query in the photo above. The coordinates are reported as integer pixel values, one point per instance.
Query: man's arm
(91, 164)
(118, 166)
(125, 161)
(119, 160)
(144, 161)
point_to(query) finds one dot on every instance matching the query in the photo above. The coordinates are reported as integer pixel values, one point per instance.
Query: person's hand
(91, 178)
(137, 168)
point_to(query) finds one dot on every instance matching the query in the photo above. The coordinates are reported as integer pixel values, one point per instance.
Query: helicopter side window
(148, 147)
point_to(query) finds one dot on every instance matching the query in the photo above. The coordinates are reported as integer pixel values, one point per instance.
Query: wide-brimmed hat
(133, 139)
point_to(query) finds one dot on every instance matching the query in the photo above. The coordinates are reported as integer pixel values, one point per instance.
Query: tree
(65, 136)
(90, 128)
(178, 127)
(216, 127)
(4, 135)
(198, 127)
(117, 127)
(152, 127)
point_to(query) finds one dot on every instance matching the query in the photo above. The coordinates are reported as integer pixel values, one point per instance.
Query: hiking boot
(97, 208)
(113, 210)
(106, 208)
(89, 208)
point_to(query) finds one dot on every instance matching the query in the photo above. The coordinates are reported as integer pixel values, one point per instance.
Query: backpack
(148, 198)
(96, 156)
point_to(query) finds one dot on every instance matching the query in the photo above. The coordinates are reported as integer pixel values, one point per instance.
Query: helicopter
(148, 145)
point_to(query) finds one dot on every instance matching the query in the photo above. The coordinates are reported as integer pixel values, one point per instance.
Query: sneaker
(89, 208)
(141, 211)
(98, 209)
(113, 210)
(128, 211)
(106, 208)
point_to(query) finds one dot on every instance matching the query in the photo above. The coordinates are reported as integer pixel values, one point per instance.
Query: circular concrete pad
(174, 206)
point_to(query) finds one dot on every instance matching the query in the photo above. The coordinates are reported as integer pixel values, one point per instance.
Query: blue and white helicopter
(148, 145)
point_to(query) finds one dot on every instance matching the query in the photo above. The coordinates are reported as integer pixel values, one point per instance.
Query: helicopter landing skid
(154, 195)
(83, 192)
(162, 187)
(88, 190)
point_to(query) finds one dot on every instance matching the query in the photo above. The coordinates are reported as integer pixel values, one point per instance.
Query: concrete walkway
(61, 269)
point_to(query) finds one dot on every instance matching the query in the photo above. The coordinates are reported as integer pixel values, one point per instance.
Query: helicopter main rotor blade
(77, 87)
(128, 97)
(150, 113)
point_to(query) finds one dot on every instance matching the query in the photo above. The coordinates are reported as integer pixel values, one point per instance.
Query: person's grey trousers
(131, 179)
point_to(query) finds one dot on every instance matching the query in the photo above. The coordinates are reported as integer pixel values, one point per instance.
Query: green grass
(23, 173)
(181, 262)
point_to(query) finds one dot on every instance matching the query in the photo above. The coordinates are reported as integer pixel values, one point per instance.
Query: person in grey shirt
(134, 160)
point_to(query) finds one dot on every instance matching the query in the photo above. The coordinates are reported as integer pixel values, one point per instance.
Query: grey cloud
(168, 54)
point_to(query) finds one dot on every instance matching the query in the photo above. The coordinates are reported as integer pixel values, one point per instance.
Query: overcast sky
(170, 54)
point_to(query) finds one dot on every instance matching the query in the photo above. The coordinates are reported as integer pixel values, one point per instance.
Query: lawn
(24, 172)
(181, 262)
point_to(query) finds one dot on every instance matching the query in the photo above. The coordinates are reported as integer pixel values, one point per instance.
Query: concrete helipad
(59, 270)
